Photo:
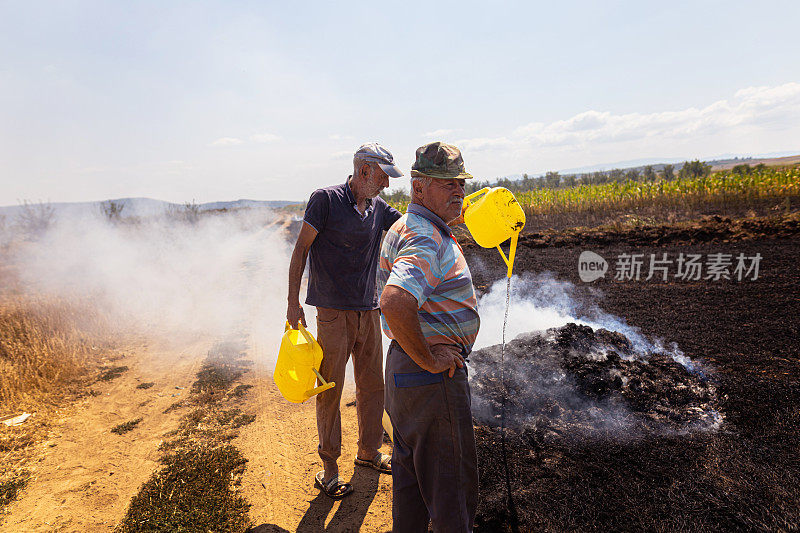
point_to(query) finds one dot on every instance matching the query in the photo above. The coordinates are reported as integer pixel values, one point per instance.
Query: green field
(721, 187)
(754, 190)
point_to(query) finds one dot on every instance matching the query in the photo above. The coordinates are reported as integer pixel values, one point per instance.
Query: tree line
(555, 180)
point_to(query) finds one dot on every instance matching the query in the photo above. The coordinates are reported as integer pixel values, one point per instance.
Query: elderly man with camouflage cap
(342, 230)
(429, 309)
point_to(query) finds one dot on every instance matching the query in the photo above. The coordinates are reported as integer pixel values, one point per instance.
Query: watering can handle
(475, 194)
(303, 330)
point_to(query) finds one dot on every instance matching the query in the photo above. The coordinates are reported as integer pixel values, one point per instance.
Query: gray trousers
(434, 463)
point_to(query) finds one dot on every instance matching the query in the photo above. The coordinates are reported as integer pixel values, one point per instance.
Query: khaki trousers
(341, 333)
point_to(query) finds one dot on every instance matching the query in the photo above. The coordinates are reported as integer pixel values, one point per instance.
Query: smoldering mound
(574, 381)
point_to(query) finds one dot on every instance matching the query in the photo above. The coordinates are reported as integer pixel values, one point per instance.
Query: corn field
(722, 188)
(602, 203)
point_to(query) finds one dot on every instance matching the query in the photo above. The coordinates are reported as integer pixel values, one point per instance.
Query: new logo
(591, 266)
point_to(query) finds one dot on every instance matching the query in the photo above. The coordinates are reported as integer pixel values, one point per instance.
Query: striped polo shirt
(420, 255)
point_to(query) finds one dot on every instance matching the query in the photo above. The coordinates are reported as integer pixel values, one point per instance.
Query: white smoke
(222, 274)
(540, 301)
(537, 303)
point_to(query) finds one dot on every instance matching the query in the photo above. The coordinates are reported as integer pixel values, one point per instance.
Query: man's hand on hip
(294, 313)
(446, 357)
(401, 311)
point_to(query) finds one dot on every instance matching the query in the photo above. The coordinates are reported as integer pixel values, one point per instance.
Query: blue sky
(268, 100)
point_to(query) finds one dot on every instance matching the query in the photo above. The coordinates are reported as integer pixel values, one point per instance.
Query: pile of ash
(576, 381)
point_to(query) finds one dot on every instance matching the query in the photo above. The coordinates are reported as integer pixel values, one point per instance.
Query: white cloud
(753, 108)
(175, 166)
(438, 133)
(485, 143)
(227, 141)
(342, 155)
(265, 137)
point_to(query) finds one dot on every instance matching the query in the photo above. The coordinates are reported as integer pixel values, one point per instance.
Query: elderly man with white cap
(342, 230)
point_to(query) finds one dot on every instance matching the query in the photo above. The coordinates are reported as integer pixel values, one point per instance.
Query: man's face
(374, 180)
(444, 197)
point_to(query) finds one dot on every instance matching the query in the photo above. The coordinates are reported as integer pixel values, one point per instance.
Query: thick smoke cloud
(209, 276)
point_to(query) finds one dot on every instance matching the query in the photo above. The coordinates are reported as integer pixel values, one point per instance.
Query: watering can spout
(322, 388)
(512, 251)
(494, 216)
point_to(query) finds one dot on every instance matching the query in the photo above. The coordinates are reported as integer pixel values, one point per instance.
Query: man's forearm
(400, 310)
(296, 267)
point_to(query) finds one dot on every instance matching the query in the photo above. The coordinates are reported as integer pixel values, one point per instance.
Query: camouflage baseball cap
(375, 153)
(439, 160)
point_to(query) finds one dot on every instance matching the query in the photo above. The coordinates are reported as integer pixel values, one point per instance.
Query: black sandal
(333, 488)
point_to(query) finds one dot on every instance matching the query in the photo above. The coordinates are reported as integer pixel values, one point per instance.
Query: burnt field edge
(704, 229)
(744, 476)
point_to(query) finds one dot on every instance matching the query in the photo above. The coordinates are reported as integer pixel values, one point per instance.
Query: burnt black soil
(743, 476)
(709, 228)
(575, 382)
(112, 373)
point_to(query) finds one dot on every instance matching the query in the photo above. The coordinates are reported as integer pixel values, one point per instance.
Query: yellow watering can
(492, 216)
(296, 370)
(386, 422)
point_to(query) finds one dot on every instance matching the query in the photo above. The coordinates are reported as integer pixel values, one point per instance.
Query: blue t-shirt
(344, 256)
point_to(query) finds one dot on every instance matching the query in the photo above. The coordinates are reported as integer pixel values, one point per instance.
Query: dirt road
(281, 448)
(87, 474)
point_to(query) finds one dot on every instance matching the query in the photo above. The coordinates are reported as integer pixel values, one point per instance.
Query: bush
(694, 169)
(35, 219)
(112, 210)
(741, 170)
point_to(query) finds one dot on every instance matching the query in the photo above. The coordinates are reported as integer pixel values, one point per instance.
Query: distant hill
(724, 162)
(145, 207)
(246, 204)
(716, 164)
(657, 164)
(727, 164)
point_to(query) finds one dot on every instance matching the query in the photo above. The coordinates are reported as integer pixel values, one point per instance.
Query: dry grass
(126, 426)
(47, 355)
(43, 344)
